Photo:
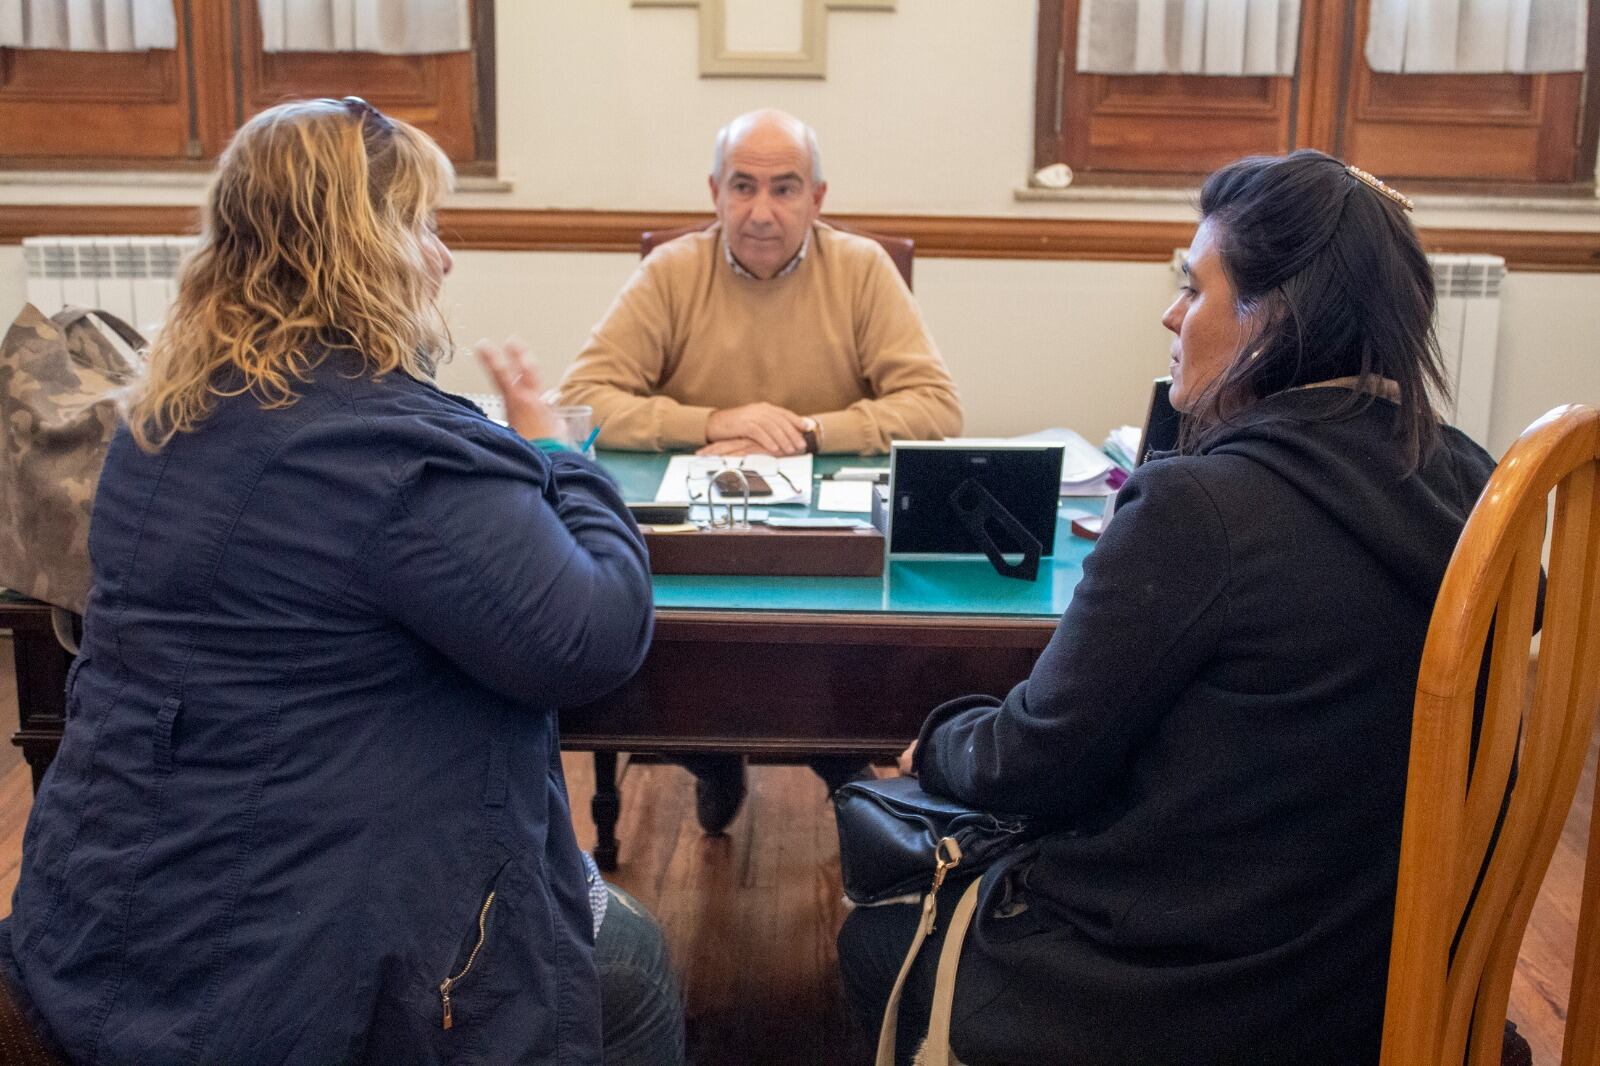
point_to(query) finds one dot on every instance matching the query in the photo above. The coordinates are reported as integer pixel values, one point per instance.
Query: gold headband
(1393, 194)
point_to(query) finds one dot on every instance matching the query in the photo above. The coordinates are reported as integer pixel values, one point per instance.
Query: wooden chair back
(901, 249)
(1449, 981)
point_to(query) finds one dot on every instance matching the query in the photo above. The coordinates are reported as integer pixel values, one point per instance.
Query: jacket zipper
(450, 982)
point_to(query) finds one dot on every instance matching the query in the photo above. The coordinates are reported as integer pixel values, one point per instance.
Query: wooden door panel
(1161, 124)
(92, 105)
(1489, 127)
(1469, 98)
(1445, 153)
(1133, 93)
(1492, 128)
(1520, 128)
(436, 93)
(181, 106)
(1174, 144)
(1181, 123)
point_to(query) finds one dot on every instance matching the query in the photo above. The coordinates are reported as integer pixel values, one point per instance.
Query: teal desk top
(908, 586)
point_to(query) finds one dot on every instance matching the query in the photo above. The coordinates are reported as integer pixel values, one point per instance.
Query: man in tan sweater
(769, 332)
(770, 325)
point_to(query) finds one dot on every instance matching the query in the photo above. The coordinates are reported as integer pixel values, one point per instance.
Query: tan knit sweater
(839, 339)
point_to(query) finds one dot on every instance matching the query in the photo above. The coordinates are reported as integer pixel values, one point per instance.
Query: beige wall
(925, 110)
(1031, 344)
(1549, 350)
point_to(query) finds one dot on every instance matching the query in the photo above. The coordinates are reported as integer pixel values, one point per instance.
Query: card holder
(729, 485)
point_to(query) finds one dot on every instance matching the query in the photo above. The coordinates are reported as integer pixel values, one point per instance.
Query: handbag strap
(66, 626)
(936, 1050)
(131, 336)
(891, 1013)
(947, 856)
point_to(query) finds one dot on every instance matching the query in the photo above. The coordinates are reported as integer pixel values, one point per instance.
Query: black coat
(1222, 720)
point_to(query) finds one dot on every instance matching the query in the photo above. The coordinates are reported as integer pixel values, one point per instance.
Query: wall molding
(937, 236)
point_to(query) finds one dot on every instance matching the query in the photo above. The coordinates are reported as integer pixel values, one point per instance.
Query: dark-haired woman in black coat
(1220, 726)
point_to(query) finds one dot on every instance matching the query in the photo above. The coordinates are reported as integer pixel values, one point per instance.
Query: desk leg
(606, 808)
(41, 677)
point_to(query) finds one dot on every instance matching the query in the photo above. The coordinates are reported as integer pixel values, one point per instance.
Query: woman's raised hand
(515, 375)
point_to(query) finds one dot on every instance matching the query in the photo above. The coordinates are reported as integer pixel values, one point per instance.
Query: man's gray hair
(739, 126)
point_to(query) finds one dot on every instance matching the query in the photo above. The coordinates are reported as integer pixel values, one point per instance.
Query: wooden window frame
(1321, 97)
(217, 77)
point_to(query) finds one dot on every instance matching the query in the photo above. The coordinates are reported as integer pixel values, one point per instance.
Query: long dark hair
(1342, 287)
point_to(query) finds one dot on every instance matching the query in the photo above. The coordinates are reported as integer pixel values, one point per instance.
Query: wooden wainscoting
(937, 236)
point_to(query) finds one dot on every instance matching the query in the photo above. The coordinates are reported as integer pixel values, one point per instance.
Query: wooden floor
(750, 917)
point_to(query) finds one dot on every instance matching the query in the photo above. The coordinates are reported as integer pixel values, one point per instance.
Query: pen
(593, 433)
(877, 477)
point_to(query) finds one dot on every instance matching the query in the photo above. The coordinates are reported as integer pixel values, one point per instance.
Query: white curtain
(88, 25)
(1237, 37)
(1477, 36)
(394, 27)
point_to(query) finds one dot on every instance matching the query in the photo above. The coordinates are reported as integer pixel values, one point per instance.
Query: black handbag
(889, 834)
(897, 840)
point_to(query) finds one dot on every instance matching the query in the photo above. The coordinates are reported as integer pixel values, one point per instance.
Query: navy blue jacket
(1221, 726)
(313, 730)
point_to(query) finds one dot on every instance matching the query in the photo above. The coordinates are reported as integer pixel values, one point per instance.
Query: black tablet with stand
(962, 497)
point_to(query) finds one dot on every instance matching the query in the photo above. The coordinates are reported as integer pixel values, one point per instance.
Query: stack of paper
(493, 405)
(1122, 444)
(848, 496)
(689, 478)
(1084, 468)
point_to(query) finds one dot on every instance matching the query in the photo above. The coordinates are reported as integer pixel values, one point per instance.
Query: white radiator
(134, 278)
(1468, 324)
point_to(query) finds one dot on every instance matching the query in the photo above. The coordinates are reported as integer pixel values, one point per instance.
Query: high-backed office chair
(900, 249)
(1449, 978)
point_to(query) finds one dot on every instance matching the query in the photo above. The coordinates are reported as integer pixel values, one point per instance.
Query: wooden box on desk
(761, 551)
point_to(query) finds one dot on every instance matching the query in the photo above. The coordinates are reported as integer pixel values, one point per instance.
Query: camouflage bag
(60, 378)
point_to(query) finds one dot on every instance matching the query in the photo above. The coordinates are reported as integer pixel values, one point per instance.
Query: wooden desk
(800, 666)
(41, 665)
(764, 666)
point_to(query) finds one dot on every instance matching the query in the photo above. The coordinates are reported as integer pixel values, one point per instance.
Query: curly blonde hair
(313, 237)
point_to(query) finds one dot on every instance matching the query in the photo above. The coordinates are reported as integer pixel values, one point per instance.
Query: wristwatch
(813, 436)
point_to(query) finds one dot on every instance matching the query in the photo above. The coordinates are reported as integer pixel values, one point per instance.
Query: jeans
(641, 1006)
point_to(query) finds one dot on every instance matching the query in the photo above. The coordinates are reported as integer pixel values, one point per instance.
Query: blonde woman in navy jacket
(309, 806)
